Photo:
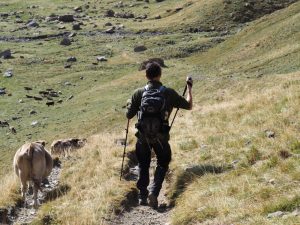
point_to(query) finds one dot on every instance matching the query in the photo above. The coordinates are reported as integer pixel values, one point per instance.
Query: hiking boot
(153, 203)
(143, 201)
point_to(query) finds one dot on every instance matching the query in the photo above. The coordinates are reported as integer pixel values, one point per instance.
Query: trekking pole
(121, 174)
(178, 108)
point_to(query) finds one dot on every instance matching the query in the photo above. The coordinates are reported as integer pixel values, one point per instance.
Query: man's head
(153, 71)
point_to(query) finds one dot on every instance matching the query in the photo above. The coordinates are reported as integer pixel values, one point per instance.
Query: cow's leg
(23, 179)
(36, 188)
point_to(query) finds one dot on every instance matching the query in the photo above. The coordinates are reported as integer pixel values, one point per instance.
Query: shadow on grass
(57, 192)
(187, 175)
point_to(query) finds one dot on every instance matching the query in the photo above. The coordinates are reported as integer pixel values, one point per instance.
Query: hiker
(153, 105)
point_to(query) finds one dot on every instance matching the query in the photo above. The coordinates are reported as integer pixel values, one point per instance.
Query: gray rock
(67, 83)
(18, 20)
(296, 212)
(9, 73)
(76, 26)
(109, 13)
(32, 112)
(2, 91)
(270, 134)
(124, 15)
(66, 18)
(34, 123)
(108, 24)
(72, 59)
(65, 41)
(78, 9)
(6, 54)
(140, 48)
(110, 30)
(32, 23)
(67, 66)
(70, 97)
(275, 214)
(101, 59)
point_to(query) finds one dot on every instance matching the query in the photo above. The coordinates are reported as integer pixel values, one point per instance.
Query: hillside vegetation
(235, 156)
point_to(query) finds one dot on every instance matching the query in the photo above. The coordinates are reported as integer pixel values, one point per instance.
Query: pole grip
(185, 89)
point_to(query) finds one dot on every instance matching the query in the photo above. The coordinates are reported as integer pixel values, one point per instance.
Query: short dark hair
(153, 70)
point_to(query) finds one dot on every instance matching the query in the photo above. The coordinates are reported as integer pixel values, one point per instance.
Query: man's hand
(189, 81)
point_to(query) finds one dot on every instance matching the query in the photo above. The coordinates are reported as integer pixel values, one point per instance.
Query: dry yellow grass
(93, 175)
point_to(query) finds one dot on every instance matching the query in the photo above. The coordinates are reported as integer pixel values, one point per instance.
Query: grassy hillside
(246, 85)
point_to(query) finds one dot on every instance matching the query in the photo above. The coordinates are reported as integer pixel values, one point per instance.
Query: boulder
(66, 18)
(140, 48)
(159, 61)
(6, 54)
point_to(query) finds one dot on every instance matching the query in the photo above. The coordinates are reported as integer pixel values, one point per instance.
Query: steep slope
(238, 148)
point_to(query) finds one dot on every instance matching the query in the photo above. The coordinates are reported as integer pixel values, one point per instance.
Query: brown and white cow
(64, 146)
(32, 163)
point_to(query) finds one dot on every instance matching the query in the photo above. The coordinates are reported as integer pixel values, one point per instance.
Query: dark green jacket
(173, 100)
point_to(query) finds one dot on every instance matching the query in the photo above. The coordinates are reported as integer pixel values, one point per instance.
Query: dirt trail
(145, 215)
(26, 213)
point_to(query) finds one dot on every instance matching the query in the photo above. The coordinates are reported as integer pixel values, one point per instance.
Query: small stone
(6, 54)
(9, 73)
(70, 97)
(81, 78)
(32, 112)
(270, 134)
(67, 83)
(34, 123)
(272, 181)
(140, 48)
(66, 18)
(21, 101)
(65, 41)
(157, 17)
(110, 30)
(76, 26)
(72, 35)
(72, 59)
(108, 24)
(109, 13)
(2, 91)
(32, 23)
(275, 214)
(78, 9)
(101, 59)
(67, 66)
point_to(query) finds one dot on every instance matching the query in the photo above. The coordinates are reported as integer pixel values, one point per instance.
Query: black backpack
(152, 116)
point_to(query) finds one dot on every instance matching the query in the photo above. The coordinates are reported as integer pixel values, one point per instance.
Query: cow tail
(30, 158)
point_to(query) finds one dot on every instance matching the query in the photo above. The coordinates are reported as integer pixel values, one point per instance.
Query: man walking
(153, 105)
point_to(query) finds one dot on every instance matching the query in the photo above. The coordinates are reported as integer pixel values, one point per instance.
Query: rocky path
(145, 215)
(26, 213)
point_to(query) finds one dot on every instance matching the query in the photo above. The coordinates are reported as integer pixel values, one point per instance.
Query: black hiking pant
(163, 154)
